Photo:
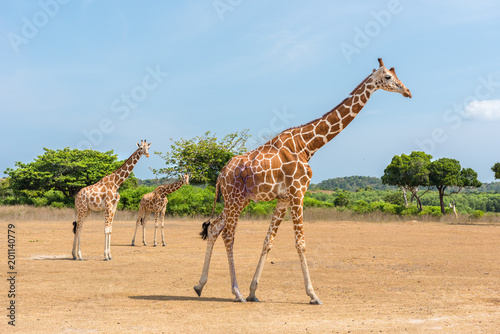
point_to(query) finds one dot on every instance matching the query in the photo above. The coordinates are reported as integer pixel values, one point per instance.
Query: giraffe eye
(387, 77)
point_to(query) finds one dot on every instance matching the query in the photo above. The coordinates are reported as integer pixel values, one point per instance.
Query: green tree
(203, 157)
(342, 199)
(63, 170)
(409, 172)
(496, 170)
(446, 173)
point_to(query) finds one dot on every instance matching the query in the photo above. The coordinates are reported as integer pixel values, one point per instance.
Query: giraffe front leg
(300, 244)
(108, 226)
(107, 244)
(279, 213)
(214, 230)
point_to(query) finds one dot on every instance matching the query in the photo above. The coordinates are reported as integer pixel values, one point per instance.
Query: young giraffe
(103, 195)
(156, 202)
(279, 170)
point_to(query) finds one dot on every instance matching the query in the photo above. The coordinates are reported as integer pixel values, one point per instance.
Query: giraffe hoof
(164, 245)
(253, 299)
(198, 291)
(132, 244)
(239, 300)
(155, 245)
(315, 302)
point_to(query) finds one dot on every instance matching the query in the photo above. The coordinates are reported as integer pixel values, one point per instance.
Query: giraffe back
(274, 170)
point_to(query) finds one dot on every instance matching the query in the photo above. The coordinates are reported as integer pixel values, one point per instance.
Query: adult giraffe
(103, 195)
(279, 170)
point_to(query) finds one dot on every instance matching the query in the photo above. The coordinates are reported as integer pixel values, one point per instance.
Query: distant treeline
(356, 182)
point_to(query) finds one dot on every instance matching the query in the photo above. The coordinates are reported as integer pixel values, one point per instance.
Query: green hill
(351, 183)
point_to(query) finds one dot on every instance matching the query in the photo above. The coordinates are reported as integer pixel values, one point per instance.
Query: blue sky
(106, 74)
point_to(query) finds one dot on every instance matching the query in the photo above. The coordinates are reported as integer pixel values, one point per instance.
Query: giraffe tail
(74, 227)
(204, 230)
(204, 227)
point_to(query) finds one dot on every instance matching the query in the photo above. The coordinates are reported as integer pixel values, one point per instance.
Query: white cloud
(488, 110)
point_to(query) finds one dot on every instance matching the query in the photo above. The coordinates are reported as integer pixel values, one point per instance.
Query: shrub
(59, 205)
(477, 214)
(342, 199)
(395, 197)
(434, 211)
(40, 201)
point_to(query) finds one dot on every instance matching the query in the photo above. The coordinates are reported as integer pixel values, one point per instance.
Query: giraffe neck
(121, 174)
(166, 189)
(313, 135)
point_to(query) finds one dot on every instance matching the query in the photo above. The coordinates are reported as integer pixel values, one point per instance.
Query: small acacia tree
(445, 173)
(409, 172)
(63, 170)
(202, 157)
(496, 170)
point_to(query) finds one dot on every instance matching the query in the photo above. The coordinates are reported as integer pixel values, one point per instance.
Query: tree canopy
(67, 170)
(409, 172)
(446, 172)
(416, 170)
(496, 170)
(202, 157)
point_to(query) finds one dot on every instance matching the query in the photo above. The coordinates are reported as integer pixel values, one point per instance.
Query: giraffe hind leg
(77, 230)
(279, 213)
(162, 225)
(210, 232)
(137, 223)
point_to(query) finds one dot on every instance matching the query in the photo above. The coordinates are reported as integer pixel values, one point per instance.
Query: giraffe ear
(373, 70)
(393, 70)
(149, 145)
(138, 145)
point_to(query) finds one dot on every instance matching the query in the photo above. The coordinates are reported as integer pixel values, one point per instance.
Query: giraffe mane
(126, 161)
(327, 113)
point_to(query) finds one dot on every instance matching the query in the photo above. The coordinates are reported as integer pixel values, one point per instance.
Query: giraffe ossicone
(279, 170)
(156, 201)
(103, 196)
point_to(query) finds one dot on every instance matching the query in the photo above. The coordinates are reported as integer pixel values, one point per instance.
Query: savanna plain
(373, 277)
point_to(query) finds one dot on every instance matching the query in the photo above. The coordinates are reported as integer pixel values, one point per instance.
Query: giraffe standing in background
(156, 202)
(279, 170)
(103, 195)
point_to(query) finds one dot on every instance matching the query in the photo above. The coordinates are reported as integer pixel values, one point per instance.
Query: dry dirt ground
(372, 277)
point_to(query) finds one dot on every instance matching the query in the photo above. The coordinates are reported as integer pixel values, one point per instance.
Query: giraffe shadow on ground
(181, 298)
(52, 257)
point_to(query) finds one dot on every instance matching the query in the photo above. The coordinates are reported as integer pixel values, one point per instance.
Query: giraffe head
(185, 177)
(143, 147)
(388, 80)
